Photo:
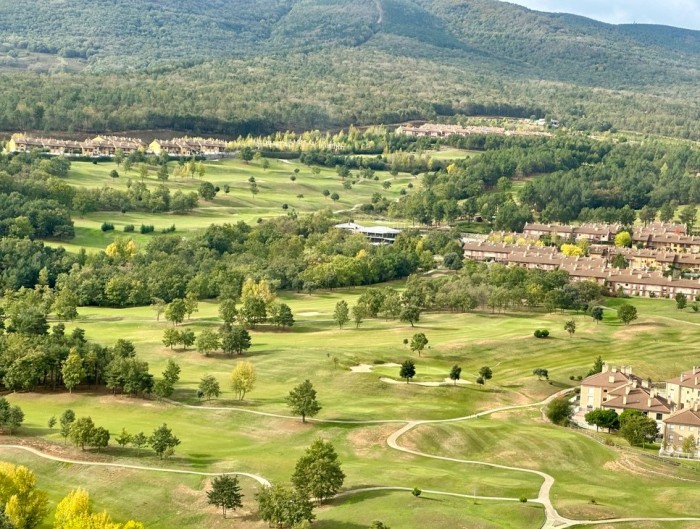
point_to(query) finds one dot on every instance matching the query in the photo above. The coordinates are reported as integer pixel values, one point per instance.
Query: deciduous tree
(24, 505)
(455, 374)
(559, 411)
(207, 342)
(163, 442)
(318, 472)
(243, 379)
(418, 342)
(627, 313)
(302, 400)
(410, 314)
(570, 327)
(209, 387)
(284, 506)
(72, 371)
(541, 373)
(341, 315)
(175, 311)
(225, 493)
(408, 370)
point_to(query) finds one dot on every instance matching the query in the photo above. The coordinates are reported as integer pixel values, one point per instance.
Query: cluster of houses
(675, 405)
(375, 234)
(110, 145)
(429, 130)
(653, 268)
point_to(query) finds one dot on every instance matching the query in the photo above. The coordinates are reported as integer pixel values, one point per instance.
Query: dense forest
(577, 179)
(231, 68)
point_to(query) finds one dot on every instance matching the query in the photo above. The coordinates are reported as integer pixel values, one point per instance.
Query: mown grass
(234, 441)
(276, 189)
(585, 471)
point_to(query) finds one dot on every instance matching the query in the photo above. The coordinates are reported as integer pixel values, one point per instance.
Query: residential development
(664, 262)
(109, 145)
(673, 404)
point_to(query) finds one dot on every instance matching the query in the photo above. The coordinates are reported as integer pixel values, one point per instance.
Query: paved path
(553, 520)
(261, 480)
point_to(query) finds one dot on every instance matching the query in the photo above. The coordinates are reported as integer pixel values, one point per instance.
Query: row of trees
(408, 370)
(304, 253)
(83, 432)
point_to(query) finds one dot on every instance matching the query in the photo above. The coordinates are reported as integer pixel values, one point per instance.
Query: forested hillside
(234, 67)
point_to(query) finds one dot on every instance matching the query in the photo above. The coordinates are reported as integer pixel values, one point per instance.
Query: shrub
(107, 226)
(523, 499)
(541, 333)
(147, 228)
(169, 229)
(416, 492)
(378, 362)
(129, 228)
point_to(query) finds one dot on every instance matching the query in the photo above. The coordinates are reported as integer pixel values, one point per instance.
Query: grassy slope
(275, 187)
(220, 440)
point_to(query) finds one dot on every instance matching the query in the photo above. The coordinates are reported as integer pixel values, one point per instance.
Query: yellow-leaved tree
(25, 506)
(73, 512)
(124, 249)
(243, 379)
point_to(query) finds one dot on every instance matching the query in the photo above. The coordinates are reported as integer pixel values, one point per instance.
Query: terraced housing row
(662, 264)
(100, 146)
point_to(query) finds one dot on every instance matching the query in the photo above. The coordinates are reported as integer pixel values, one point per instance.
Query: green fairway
(233, 440)
(277, 195)
(584, 469)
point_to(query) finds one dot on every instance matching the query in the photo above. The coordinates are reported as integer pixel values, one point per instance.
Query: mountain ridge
(456, 54)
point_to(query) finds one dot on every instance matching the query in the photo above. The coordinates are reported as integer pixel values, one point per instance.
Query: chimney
(624, 400)
(614, 369)
(611, 379)
(682, 377)
(606, 368)
(649, 402)
(695, 406)
(628, 389)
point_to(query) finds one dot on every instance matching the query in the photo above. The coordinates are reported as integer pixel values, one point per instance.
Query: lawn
(584, 469)
(277, 195)
(232, 440)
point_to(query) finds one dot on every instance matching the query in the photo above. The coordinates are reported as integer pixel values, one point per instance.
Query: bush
(169, 229)
(378, 362)
(523, 499)
(147, 228)
(541, 333)
(129, 228)
(559, 411)
(107, 226)
(416, 492)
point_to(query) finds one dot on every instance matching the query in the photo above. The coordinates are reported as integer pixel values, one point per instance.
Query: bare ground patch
(364, 441)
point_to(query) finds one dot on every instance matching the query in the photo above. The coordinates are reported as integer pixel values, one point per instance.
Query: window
(659, 417)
